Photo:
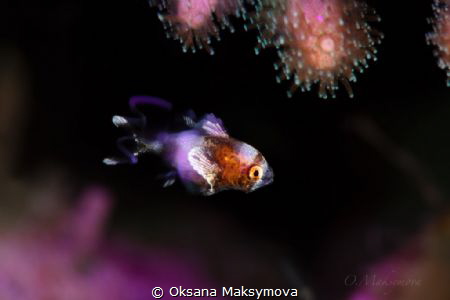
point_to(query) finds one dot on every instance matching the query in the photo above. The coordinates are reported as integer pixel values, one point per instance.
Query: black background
(331, 189)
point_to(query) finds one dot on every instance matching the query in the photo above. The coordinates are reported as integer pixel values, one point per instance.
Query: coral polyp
(318, 41)
(440, 37)
(195, 22)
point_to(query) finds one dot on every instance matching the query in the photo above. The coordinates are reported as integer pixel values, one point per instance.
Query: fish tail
(136, 144)
(135, 101)
(133, 146)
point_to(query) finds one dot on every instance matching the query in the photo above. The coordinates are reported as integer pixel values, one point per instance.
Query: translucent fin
(169, 182)
(200, 162)
(135, 144)
(131, 155)
(169, 178)
(213, 126)
(189, 118)
(111, 161)
(126, 122)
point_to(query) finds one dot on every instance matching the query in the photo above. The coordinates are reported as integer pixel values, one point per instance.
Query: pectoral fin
(202, 164)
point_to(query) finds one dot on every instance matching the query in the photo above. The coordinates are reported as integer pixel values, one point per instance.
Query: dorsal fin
(213, 126)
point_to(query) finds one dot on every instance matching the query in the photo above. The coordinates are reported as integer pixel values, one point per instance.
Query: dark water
(339, 200)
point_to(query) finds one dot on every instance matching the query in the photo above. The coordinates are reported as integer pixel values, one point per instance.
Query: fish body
(206, 159)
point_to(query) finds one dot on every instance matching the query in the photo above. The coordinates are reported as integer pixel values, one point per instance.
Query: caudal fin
(134, 144)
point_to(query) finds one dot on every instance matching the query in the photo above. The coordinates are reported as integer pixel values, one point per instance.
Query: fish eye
(255, 173)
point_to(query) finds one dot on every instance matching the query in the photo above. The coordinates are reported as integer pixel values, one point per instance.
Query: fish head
(257, 172)
(258, 180)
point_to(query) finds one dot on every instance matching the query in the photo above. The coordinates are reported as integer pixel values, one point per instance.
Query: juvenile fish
(203, 156)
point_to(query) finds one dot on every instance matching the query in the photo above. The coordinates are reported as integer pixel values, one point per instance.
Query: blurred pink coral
(69, 260)
(417, 271)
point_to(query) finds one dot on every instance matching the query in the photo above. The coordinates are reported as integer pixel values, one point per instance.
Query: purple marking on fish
(182, 143)
(133, 159)
(138, 100)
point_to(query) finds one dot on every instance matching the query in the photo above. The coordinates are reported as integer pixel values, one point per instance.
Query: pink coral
(194, 22)
(419, 270)
(69, 260)
(320, 42)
